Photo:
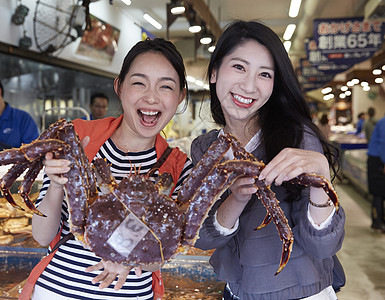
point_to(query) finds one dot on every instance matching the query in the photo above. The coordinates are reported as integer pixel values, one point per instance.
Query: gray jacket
(248, 258)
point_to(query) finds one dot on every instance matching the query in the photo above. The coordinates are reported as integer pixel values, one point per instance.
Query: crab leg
(210, 190)
(319, 182)
(30, 152)
(25, 186)
(275, 213)
(211, 158)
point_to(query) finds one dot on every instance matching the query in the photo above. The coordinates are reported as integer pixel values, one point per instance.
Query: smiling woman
(150, 86)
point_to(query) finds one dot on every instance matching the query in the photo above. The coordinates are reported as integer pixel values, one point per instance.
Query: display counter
(353, 156)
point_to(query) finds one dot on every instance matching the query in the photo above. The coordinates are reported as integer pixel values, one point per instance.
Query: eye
(239, 67)
(266, 75)
(165, 86)
(137, 83)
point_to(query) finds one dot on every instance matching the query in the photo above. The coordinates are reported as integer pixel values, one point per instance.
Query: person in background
(370, 123)
(256, 96)
(16, 126)
(376, 175)
(98, 106)
(324, 126)
(360, 123)
(150, 86)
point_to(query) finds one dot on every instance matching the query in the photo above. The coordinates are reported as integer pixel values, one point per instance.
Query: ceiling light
(342, 96)
(127, 2)
(326, 90)
(194, 27)
(177, 7)
(152, 21)
(289, 32)
(344, 88)
(366, 88)
(287, 45)
(379, 80)
(355, 81)
(364, 83)
(206, 39)
(211, 48)
(376, 72)
(294, 8)
(348, 93)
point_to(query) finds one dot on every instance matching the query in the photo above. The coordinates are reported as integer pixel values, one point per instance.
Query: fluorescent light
(195, 28)
(211, 48)
(289, 32)
(287, 45)
(326, 90)
(127, 2)
(152, 21)
(206, 40)
(177, 10)
(294, 8)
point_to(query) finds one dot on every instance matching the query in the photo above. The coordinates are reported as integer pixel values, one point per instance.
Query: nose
(152, 97)
(249, 84)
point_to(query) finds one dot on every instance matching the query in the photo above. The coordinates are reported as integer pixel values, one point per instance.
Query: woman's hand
(242, 189)
(110, 271)
(55, 168)
(291, 162)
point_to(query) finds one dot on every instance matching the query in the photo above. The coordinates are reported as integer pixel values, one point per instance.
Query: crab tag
(127, 235)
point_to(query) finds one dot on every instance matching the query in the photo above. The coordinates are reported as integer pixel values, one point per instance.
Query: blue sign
(348, 40)
(321, 62)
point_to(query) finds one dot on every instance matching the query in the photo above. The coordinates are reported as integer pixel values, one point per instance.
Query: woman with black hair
(256, 96)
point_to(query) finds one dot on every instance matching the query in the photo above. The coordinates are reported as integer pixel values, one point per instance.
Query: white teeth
(242, 100)
(149, 113)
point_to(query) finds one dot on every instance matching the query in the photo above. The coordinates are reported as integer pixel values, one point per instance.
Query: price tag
(128, 234)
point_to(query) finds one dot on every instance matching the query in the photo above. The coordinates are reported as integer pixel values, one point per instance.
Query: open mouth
(242, 101)
(149, 117)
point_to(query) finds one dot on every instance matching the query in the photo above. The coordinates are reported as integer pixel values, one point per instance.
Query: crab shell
(135, 209)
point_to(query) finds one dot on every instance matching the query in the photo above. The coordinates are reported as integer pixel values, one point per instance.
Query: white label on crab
(129, 233)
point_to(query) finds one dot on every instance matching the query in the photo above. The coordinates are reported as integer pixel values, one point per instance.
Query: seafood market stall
(353, 156)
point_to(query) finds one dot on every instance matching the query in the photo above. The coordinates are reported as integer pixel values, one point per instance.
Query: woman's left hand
(291, 162)
(110, 271)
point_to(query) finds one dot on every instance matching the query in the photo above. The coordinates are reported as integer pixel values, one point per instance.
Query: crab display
(136, 221)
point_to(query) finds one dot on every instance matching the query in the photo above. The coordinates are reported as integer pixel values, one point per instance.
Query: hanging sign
(321, 62)
(348, 40)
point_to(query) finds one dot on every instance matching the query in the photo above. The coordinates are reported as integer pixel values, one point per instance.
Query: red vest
(99, 131)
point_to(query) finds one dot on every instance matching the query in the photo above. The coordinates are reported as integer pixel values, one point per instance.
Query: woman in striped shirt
(151, 85)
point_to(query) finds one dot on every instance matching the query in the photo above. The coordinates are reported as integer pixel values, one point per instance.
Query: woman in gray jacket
(255, 96)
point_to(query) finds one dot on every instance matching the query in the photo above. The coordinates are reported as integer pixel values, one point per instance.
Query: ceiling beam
(205, 14)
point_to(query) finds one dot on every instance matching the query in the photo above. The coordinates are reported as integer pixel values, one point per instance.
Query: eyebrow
(246, 62)
(162, 78)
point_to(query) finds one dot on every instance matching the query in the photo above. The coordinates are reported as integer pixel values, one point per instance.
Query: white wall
(130, 33)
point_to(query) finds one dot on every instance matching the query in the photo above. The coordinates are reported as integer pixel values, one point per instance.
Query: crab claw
(286, 251)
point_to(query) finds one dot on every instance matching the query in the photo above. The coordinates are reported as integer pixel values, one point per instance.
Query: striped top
(65, 273)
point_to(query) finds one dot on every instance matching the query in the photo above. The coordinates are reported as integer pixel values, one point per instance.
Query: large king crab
(136, 222)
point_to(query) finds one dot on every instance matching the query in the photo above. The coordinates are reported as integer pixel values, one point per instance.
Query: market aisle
(363, 252)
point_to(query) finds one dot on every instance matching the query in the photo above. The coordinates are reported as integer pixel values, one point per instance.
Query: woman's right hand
(55, 168)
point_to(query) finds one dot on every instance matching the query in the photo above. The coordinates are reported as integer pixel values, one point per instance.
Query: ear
(213, 77)
(182, 95)
(116, 86)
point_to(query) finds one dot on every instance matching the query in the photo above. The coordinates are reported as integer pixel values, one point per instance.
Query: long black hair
(286, 115)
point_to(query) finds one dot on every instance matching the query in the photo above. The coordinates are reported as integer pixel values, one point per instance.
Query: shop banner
(348, 40)
(321, 62)
(310, 77)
